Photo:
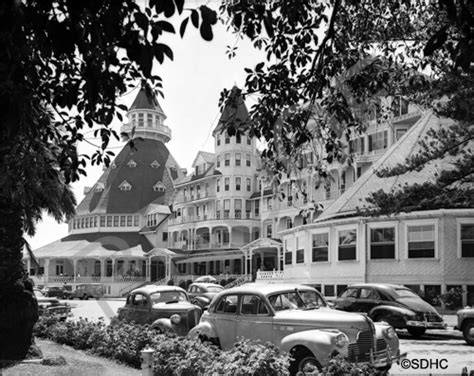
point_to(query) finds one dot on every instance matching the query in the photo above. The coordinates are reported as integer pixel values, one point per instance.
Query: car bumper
(384, 358)
(427, 324)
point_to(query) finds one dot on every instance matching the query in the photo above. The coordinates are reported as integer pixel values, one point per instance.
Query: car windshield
(214, 288)
(297, 299)
(168, 296)
(405, 293)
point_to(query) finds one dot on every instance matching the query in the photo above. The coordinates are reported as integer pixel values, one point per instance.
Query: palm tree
(31, 183)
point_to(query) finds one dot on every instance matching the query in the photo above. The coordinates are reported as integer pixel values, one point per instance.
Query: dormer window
(155, 164)
(99, 187)
(125, 186)
(113, 165)
(159, 187)
(132, 163)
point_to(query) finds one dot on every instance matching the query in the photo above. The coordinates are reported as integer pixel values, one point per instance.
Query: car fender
(163, 324)
(203, 330)
(380, 333)
(320, 342)
(399, 314)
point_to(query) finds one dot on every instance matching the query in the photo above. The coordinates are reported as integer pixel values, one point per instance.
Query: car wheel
(86, 297)
(468, 333)
(303, 359)
(416, 332)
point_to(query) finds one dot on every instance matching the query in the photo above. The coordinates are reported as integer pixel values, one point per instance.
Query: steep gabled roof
(369, 182)
(208, 157)
(146, 100)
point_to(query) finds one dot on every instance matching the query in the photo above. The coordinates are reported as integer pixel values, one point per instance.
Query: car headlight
(175, 319)
(389, 332)
(341, 340)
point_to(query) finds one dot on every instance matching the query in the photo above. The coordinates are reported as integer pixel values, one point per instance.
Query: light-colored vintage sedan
(165, 308)
(298, 320)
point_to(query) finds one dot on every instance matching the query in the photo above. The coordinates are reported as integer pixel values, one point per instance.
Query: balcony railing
(39, 280)
(214, 216)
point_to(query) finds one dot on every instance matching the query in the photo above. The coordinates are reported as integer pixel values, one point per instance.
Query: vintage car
(53, 292)
(297, 319)
(52, 305)
(395, 304)
(165, 308)
(466, 324)
(201, 293)
(85, 291)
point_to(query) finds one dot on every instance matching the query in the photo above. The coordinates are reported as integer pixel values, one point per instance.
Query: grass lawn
(77, 363)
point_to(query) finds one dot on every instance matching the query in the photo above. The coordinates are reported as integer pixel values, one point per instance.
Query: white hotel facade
(221, 220)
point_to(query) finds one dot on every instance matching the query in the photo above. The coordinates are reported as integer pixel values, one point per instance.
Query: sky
(192, 83)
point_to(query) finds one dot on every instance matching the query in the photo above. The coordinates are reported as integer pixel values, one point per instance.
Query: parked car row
(52, 305)
(296, 318)
(81, 291)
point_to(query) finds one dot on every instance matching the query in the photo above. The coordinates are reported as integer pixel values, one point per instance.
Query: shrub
(453, 298)
(182, 284)
(340, 366)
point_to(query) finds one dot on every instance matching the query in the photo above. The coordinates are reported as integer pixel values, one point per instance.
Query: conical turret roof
(235, 112)
(146, 100)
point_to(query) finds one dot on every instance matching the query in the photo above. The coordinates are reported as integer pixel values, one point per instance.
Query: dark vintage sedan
(165, 308)
(52, 306)
(397, 305)
(201, 293)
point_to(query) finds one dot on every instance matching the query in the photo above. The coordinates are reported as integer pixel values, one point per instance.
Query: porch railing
(269, 275)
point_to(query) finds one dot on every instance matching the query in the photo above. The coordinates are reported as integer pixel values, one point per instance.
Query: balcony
(214, 216)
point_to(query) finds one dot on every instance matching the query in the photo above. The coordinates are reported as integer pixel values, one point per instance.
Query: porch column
(148, 269)
(230, 236)
(207, 267)
(74, 267)
(46, 271)
(278, 258)
(113, 270)
(103, 262)
(243, 265)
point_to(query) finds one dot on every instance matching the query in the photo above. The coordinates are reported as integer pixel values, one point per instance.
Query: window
(102, 221)
(218, 185)
(421, 241)
(227, 160)
(136, 220)
(399, 106)
(288, 251)
(382, 243)
(185, 194)
(320, 247)
(257, 208)
(159, 187)
(218, 140)
(165, 236)
(129, 220)
(269, 230)
(125, 186)
(154, 164)
(467, 240)
(226, 209)
(238, 138)
(227, 304)
(249, 140)
(247, 160)
(253, 305)
(140, 120)
(378, 141)
(329, 290)
(149, 120)
(218, 161)
(238, 208)
(227, 139)
(237, 159)
(59, 267)
(226, 184)
(300, 249)
(123, 220)
(356, 146)
(249, 184)
(238, 183)
(116, 220)
(248, 208)
(109, 221)
(99, 187)
(347, 245)
(289, 223)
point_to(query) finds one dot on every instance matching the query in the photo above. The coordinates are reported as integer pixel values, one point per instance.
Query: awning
(160, 252)
(209, 256)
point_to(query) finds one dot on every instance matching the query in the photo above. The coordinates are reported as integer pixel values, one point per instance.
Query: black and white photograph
(236, 187)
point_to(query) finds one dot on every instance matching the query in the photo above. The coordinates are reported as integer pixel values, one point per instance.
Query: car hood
(417, 305)
(324, 318)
